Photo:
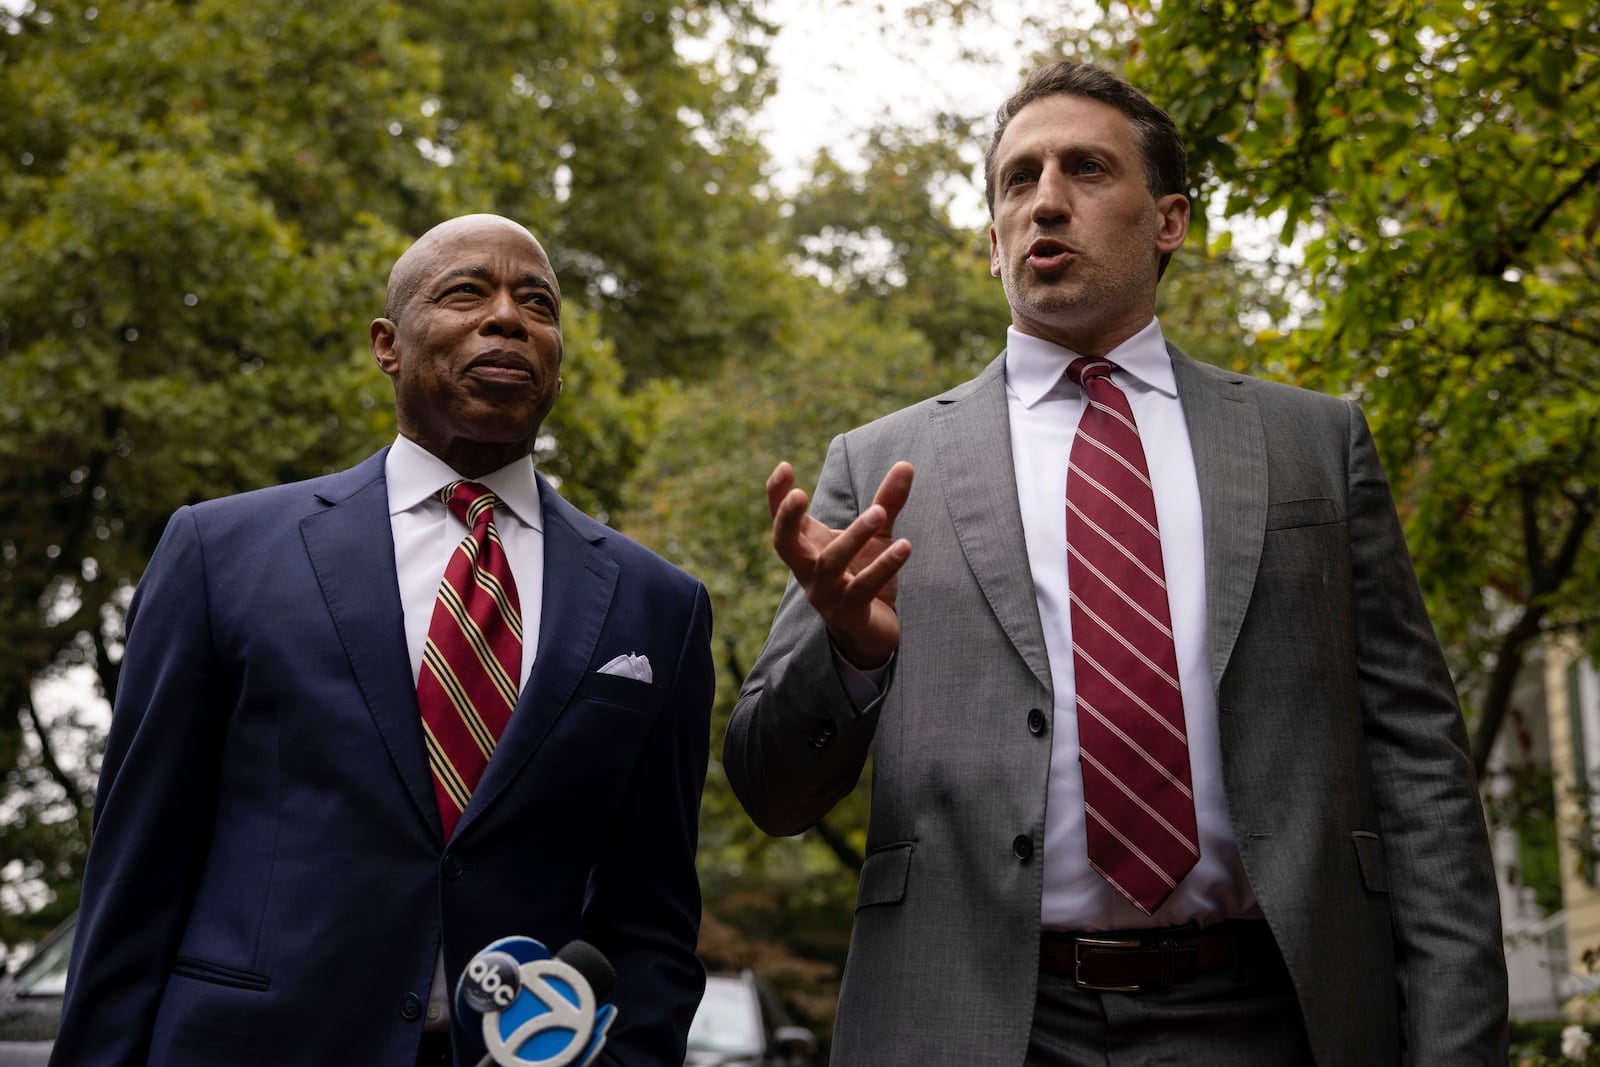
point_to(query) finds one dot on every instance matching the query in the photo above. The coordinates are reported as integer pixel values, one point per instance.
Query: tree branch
(48, 757)
(730, 654)
(1497, 696)
(1545, 579)
(839, 845)
(108, 671)
(1590, 175)
(1532, 546)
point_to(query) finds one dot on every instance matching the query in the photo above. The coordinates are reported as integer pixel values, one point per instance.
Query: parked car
(741, 1024)
(30, 1001)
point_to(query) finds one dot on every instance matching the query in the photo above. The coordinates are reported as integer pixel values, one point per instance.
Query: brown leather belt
(1133, 961)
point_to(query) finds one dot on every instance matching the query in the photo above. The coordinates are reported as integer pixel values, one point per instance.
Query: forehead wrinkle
(1065, 145)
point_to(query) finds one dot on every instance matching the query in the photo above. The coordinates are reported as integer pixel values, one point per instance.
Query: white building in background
(1572, 703)
(1536, 938)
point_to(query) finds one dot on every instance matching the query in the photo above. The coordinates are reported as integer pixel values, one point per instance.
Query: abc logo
(491, 982)
(536, 1010)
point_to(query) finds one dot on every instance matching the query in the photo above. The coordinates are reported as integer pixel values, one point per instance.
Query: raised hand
(848, 575)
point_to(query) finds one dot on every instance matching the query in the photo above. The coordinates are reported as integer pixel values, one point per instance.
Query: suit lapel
(1230, 460)
(352, 552)
(971, 433)
(579, 581)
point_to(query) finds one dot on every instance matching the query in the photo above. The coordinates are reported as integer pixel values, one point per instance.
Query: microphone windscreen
(592, 964)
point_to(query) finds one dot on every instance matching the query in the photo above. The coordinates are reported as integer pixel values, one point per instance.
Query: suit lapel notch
(971, 432)
(351, 548)
(580, 581)
(1230, 460)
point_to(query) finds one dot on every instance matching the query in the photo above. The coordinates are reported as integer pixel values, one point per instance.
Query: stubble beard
(1077, 306)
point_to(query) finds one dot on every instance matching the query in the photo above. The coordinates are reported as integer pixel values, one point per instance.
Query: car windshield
(45, 974)
(728, 1019)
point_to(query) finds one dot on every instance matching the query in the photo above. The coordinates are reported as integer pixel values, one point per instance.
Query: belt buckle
(1080, 943)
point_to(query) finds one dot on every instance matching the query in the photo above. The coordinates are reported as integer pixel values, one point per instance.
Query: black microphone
(538, 1010)
(592, 964)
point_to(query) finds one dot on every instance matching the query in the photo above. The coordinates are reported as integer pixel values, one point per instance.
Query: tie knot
(470, 502)
(1088, 369)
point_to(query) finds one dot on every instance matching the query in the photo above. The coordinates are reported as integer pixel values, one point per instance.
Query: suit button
(1022, 847)
(410, 1007)
(452, 866)
(822, 733)
(1035, 721)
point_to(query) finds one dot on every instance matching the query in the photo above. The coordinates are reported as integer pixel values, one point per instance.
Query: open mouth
(1047, 255)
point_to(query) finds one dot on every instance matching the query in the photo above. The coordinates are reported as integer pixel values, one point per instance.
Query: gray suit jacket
(1344, 753)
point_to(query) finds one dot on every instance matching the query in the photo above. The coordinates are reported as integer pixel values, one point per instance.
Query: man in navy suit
(270, 881)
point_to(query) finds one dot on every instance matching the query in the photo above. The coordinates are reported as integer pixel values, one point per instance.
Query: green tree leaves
(199, 204)
(1435, 164)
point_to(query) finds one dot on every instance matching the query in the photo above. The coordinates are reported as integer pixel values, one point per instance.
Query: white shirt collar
(414, 475)
(1034, 366)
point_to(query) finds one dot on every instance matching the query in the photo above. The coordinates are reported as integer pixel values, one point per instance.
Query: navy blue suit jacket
(268, 882)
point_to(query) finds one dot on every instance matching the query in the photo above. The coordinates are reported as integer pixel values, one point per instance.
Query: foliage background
(199, 201)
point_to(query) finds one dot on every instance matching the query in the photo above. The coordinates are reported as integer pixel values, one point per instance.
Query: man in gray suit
(1288, 863)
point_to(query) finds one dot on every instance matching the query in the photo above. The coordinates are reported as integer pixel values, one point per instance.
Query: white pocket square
(630, 666)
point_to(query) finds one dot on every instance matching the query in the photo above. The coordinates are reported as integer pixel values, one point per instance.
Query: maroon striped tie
(1131, 741)
(472, 663)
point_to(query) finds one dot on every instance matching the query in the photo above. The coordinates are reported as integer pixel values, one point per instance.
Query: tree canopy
(1434, 165)
(199, 202)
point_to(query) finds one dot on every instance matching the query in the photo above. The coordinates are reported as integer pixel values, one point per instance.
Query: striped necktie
(472, 663)
(1131, 737)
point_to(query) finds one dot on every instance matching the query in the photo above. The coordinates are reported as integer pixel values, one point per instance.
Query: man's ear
(382, 333)
(1172, 223)
(994, 253)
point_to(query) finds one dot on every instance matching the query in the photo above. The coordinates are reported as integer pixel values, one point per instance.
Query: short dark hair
(1165, 158)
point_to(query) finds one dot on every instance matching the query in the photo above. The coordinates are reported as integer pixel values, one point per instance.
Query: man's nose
(504, 316)
(1052, 200)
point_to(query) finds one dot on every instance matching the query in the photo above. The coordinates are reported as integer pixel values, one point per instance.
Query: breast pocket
(606, 726)
(1369, 855)
(1309, 511)
(884, 875)
(621, 692)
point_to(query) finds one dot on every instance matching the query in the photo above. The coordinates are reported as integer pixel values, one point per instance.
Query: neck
(474, 459)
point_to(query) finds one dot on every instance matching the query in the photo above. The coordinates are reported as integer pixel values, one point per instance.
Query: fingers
(850, 565)
(789, 534)
(789, 521)
(893, 492)
(870, 580)
(779, 482)
(835, 559)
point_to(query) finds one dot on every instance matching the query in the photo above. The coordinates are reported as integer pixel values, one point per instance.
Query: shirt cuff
(863, 687)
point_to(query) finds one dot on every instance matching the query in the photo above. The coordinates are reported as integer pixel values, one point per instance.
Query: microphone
(538, 1010)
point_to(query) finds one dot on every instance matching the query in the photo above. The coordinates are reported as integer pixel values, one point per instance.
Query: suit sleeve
(643, 910)
(154, 810)
(796, 744)
(1444, 901)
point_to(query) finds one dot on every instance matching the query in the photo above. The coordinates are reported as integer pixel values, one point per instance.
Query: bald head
(418, 261)
(472, 341)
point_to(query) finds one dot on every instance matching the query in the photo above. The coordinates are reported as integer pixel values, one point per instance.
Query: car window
(45, 973)
(728, 1019)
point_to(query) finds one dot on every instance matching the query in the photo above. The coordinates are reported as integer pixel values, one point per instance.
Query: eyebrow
(1076, 148)
(479, 271)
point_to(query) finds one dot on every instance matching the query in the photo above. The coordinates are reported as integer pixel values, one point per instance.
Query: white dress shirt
(1044, 407)
(425, 537)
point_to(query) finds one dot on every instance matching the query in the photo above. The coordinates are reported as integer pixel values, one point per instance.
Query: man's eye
(1017, 177)
(1090, 166)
